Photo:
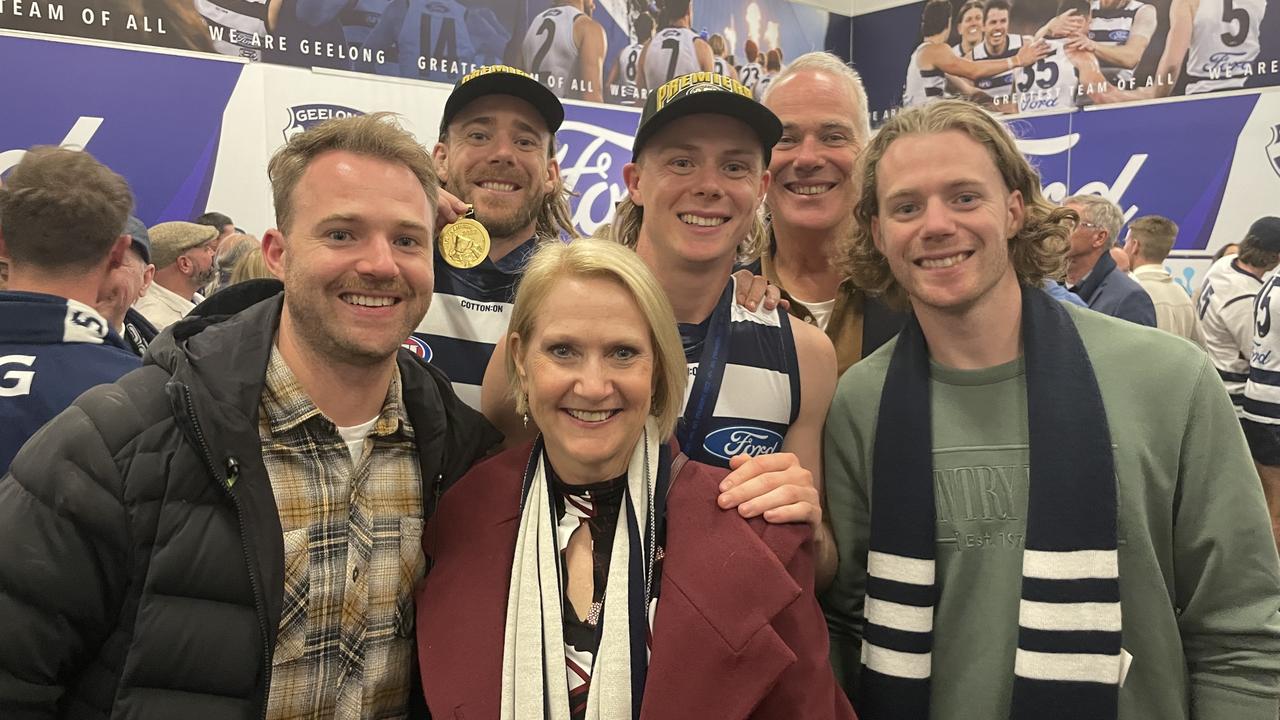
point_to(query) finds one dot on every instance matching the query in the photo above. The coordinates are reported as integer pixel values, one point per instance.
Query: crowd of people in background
(823, 424)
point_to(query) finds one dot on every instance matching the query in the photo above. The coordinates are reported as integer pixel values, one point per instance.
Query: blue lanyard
(706, 386)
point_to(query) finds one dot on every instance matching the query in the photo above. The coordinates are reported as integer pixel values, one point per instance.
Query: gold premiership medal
(464, 243)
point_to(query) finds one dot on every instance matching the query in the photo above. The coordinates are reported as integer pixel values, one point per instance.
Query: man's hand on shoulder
(774, 486)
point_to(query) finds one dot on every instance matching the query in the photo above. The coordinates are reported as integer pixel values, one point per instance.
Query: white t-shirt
(821, 311)
(354, 436)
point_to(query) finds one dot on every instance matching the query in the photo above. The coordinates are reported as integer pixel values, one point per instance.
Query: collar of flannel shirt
(287, 404)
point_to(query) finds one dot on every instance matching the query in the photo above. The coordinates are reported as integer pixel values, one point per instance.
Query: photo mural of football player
(993, 62)
(1219, 40)
(720, 63)
(564, 48)
(623, 78)
(751, 69)
(676, 49)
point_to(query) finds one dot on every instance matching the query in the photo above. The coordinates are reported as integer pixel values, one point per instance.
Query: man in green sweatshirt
(1032, 522)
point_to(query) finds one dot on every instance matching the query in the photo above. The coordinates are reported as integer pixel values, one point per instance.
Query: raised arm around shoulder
(1130, 53)
(497, 404)
(706, 58)
(1182, 18)
(64, 567)
(1227, 575)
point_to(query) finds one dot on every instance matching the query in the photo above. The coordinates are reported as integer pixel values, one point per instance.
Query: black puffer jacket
(141, 556)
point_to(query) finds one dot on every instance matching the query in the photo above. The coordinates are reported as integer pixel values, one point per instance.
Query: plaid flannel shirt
(352, 547)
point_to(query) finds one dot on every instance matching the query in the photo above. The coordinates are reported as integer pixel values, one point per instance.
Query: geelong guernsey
(750, 75)
(1050, 84)
(922, 86)
(549, 51)
(1002, 83)
(469, 313)
(628, 70)
(1224, 42)
(671, 54)
(1262, 390)
(744, 382)
(1111, 26)
(1225, 309)
(242, 24)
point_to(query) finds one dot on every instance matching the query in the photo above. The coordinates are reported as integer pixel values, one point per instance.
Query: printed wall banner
(594, 50)
(1042, 56)
(192, 134)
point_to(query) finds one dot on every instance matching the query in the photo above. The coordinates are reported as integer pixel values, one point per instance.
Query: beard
(204, 277)
(499, 224)
(328, 338)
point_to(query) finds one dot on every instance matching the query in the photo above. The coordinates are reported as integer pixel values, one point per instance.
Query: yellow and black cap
(503, 80)
(706, 92)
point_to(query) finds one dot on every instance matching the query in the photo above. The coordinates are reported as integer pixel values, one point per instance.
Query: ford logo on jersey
(1118, 36)
(418, 347)
(730, 441)
(305, 117)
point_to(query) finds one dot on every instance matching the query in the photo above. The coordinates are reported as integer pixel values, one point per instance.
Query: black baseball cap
(706, 92)
(1265, 233)
(503, 80)
(140, 240)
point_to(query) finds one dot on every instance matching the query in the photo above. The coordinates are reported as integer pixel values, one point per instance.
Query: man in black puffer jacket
(161, 555)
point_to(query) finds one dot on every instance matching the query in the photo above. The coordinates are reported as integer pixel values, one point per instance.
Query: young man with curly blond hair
(1024, 530)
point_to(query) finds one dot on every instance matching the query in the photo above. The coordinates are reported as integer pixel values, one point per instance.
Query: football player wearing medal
(759, 383)
(496, 152)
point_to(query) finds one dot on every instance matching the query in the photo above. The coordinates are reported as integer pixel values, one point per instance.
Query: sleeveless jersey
(720, 66)
(549, 50)
(241, 23)
(1223, 41)
(1111, 26)
(1002, 83)
(1225, 307)
(750, 75)
(922, 86)
(671, 54)
(745, 401)
(436, 30)
(1049, 84)
(763, 85)
(468, 316)
(628, 70)
(1262, 391)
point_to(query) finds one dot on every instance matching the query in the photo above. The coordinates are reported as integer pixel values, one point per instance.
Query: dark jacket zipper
(222, 479)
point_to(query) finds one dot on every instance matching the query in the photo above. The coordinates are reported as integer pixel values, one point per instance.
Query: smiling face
(356, 259)
(997, 29)
(971, 26)
(944, 221)
(700, 180)
(813, 185)
(496, 158)
(588, 370)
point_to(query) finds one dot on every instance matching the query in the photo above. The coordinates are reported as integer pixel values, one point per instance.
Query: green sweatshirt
(1199, 576)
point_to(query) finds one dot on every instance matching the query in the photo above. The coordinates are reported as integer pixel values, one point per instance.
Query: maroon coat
(738, 632)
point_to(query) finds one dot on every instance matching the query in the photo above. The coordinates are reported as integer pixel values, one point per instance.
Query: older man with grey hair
(1092, 273)
(811, 201)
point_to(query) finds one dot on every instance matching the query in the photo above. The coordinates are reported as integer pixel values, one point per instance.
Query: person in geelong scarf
(1041, 511)
(589, 573)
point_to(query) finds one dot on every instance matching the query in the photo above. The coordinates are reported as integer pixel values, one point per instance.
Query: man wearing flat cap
(183, 254)
(64, 214)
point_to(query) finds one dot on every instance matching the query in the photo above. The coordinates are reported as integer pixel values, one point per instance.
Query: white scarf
(533, 663)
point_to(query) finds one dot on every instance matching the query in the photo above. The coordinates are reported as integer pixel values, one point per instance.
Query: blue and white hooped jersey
(469, 313)
(1225, 307)
(1002, 83)
(1112, 26)
(1262, 390)
(744, 383)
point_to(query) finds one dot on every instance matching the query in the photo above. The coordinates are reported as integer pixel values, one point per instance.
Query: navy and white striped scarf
(1068, 657)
